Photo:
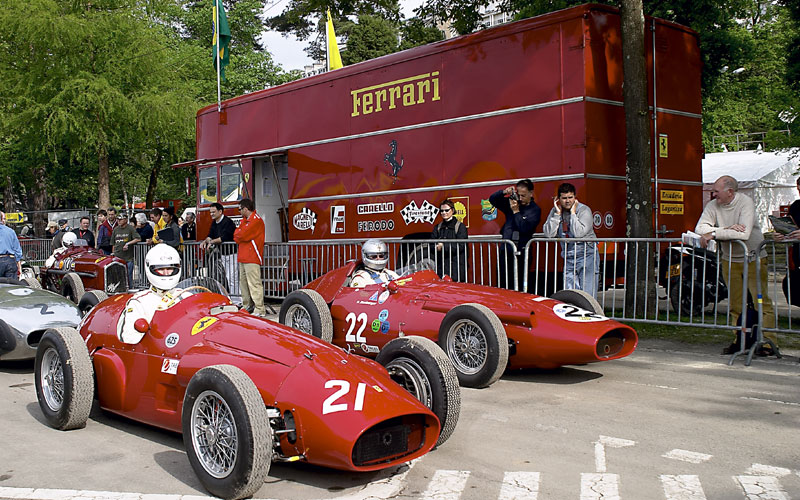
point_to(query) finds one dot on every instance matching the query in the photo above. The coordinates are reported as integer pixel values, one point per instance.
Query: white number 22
(331, 406)
(351, 321)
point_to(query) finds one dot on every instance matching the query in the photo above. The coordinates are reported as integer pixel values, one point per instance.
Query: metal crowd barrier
(36, 251)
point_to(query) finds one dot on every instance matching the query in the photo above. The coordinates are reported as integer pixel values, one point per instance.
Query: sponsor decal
(172, 340)
(608, 220)
(376, 325)
(98, 259)
(597, 220)
(575, 314)
(375, 225)
(462, 210)
(170, 366)
(112, 287)
(390, 159)
(375, 208)
(373, 297)
(365, 303)
(384, 295)
(403, 281)
(384, 327)
(305, 220)
(408, 91)
(383, 315)
(671, 195)
(370, 349)
(426, 213)
(371, 301)
(337, 219)
(202, 324)
(377, 388)
(488, 211)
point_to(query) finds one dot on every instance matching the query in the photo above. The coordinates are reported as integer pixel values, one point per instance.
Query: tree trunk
(151, 186)
(103, 182)
(39, 201)
(639, 285)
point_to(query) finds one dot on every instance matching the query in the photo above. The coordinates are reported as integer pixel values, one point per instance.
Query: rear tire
(91, 299)
(307, 311)
(64, 379)
(72, 287)
(579, 298)
(31, 282)
(226, 432)
(421, 367)
(474, 339)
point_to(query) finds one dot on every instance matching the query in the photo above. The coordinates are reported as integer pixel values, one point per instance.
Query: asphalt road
(671, 421)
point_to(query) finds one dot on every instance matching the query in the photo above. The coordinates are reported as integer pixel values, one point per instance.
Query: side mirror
(141, 325)
(392, 287)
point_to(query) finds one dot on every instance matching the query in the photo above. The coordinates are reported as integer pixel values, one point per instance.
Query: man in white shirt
(374, 255)
(731, 216)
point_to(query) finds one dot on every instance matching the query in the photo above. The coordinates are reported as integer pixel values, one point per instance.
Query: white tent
(767, 177)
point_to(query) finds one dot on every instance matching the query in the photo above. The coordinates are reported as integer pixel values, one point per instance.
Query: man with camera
(522, 218)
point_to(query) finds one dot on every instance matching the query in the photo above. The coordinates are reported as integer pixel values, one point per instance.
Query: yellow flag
(334, 58)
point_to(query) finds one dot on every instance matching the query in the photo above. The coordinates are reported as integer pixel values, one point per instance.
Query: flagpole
(219, 61)
(327, 46)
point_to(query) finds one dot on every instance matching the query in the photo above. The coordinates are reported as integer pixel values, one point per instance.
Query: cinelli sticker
(170, 366)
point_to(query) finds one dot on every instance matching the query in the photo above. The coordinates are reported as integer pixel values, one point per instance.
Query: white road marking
(768, 470)
(692, 457)
(388, 487)
(446, 485)
(599, 486)
(519, 486)
(762, 488)
(600, 449)
(682, 487)
(790, 403)
(653, 386)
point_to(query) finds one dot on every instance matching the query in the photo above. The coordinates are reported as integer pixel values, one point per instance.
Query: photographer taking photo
(522, 218)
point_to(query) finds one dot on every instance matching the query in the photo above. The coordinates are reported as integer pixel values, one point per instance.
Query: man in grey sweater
(570, 218)
(731, 216)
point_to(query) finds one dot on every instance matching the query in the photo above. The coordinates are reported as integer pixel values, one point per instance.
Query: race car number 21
(330, 405)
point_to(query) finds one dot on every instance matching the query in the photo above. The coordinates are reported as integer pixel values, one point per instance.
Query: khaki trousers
(735, 279)
(252, 288)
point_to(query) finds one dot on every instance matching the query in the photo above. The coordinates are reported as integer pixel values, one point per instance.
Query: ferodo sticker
(202, 324)
(576, 314)
(172, 340)
(170, 366)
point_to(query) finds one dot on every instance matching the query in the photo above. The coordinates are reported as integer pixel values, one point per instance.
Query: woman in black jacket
(451, 258)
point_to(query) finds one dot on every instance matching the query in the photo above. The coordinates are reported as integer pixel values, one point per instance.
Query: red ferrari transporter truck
(370, 150)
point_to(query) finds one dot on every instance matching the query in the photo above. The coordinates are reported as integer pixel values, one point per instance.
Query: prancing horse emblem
(391, 159)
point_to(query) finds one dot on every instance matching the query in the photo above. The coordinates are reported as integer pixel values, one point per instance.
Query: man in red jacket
(250, 237)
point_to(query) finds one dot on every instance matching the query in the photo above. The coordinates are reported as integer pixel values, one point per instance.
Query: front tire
(306, 310)
(474, 339)
(420, 366)
(579, 298)
(64, 379)
(226, 432)
(91, 299)
(31, 282)
(72, 287)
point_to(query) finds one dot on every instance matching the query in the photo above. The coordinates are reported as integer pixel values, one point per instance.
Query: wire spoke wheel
(214, 434)
(467, 346)
(411, 377)
(299, 318)
(52, 380)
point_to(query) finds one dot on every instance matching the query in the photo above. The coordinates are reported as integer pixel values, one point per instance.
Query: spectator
(143, 227)
(84, 233)
(221, 231)
(570, 218)
(101, 217)
(522, 218)
(451, 258)
(104, 232)
(124, 236)
(63, 228)
(50, 231)
(158, 222)
(250, 236)
(10, 251)
(731, 216)
(171, 233)
(189, 229)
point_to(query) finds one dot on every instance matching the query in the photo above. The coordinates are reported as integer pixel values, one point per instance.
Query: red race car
(243, 390)
(483, 330)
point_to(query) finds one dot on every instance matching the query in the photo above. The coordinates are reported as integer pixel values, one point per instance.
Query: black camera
(513, 196)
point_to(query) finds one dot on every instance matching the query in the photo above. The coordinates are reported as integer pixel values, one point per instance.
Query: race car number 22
(351, 325)
(330, 404)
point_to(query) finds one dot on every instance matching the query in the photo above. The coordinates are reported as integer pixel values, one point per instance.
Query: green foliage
(415, 32)
(304, 18)
(371, 37)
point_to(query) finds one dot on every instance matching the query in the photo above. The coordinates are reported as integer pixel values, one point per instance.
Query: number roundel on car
(575, 314)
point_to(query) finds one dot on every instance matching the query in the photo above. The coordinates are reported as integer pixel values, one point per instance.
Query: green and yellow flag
(334, 58)
(222, 37)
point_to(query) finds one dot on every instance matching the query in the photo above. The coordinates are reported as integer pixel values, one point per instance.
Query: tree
(371, 37)
(415, 32)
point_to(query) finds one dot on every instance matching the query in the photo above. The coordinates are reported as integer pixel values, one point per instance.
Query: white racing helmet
(374, 254)
(162, 266)
(69, 239)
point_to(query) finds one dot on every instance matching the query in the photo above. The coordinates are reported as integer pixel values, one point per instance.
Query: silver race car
(26, 313)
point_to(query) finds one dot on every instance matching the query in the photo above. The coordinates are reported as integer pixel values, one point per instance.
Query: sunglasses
(446, 210)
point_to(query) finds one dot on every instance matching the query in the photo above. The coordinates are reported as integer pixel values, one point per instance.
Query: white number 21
(330, 404)
(351, 321)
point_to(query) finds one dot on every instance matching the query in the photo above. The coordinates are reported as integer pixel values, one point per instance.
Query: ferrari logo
(202, 324)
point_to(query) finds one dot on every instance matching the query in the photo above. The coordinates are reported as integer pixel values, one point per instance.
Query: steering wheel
(197, 287)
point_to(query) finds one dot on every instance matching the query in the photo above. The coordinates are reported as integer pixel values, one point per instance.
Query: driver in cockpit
(374, 255)
(162, 266)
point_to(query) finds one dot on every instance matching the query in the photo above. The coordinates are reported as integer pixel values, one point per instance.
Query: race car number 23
(331, 404)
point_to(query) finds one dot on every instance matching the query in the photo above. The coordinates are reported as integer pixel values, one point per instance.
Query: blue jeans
(581, 263)
(130, 273)
(8, 267)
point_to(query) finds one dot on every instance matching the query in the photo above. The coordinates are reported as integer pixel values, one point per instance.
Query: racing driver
(374, 255)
